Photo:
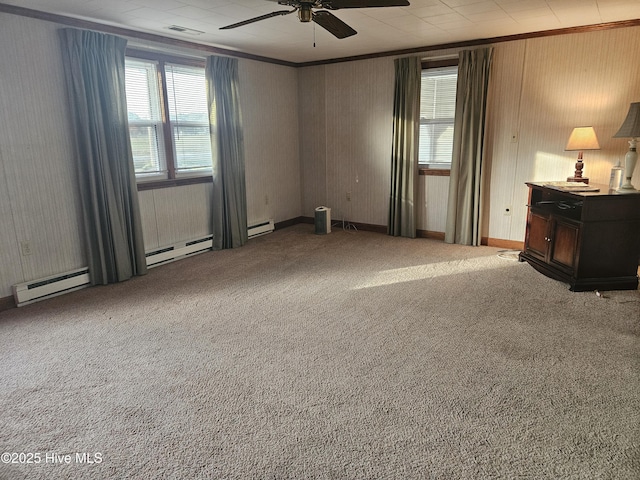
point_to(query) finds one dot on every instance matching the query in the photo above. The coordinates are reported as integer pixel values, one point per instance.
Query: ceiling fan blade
(257, 19)
(333, 24)
(338, 4)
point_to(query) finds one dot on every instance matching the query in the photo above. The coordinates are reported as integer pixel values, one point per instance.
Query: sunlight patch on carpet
(427, 271)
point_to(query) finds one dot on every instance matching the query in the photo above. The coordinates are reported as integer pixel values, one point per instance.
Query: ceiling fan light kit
(317, 11)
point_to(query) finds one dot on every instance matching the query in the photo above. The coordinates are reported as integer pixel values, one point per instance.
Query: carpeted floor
(352, 355)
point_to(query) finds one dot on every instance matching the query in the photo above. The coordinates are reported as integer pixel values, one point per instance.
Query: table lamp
(630, 129)
(581, 138)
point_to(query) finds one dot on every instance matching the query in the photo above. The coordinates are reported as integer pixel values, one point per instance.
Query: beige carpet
(347, 356)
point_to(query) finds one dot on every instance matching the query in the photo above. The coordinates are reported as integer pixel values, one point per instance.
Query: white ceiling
(423, 23)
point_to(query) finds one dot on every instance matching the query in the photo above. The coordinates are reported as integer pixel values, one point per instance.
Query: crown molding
(135, 34)
(178, 43)
(481, 41)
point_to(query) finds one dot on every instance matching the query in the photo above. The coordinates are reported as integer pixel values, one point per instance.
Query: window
(437, 116)
(145, 118)
(168, 118)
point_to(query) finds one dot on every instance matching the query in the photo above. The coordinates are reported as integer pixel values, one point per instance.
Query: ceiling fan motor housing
(323, 18)
(304, 13)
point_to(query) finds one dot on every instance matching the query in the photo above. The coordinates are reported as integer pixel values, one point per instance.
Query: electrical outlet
(348, 196)
(507, 211)
(25, 248)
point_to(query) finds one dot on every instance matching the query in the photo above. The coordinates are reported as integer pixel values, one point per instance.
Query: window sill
(434, 172)
(173, 182)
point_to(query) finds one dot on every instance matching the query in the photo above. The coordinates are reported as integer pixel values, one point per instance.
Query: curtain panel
(404, 157)
(95, 77)
(464, 209)
(229, 209)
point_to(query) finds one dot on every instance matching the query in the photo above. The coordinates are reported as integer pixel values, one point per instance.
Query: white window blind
(437, 116)
(145, 118)
(189, 117)
(170, 134)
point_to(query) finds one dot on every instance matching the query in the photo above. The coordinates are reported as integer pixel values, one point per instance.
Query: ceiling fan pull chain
(314, 35)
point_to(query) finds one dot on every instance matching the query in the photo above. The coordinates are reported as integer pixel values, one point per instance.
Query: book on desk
(572, 186)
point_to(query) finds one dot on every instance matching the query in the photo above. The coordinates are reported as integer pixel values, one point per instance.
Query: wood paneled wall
(312, 94)
(346, 115)
(359, 109)
(38, 194)
(540, 89)
(39, 201)
(269, 102)
(173, 215)
(433, 192)
(312, 135)
(568, 81)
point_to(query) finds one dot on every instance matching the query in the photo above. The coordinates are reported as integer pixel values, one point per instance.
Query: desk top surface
(602, 190)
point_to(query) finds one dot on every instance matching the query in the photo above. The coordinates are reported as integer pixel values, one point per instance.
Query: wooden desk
(590, 240)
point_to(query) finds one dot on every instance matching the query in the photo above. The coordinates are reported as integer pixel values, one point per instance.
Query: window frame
(172, 179)
(423, 168)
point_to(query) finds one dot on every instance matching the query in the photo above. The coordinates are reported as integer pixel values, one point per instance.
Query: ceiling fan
(308, 11)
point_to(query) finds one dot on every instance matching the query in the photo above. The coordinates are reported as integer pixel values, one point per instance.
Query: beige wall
(566, 81)
(270, 113)
(345, 124)
(39, 203)
(269, 104)
(311, 135)
(540, 89)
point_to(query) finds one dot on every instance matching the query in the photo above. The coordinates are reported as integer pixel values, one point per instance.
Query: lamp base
(630, 160)
(627, 189)
(577, 175)
(578, 179)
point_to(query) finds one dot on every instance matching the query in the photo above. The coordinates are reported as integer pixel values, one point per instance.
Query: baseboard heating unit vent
(29, 292)
(169, 254)
(260, 229)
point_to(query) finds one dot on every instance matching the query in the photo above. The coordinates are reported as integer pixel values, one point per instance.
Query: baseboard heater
(29, 292)
(260, 229)
(169, 254)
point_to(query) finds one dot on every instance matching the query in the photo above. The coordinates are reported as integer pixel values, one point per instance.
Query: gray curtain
(94, 69)
(465, 184)
(229, 213)
(404, 158)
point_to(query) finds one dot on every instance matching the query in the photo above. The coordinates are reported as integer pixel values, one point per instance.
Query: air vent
(188, 31)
